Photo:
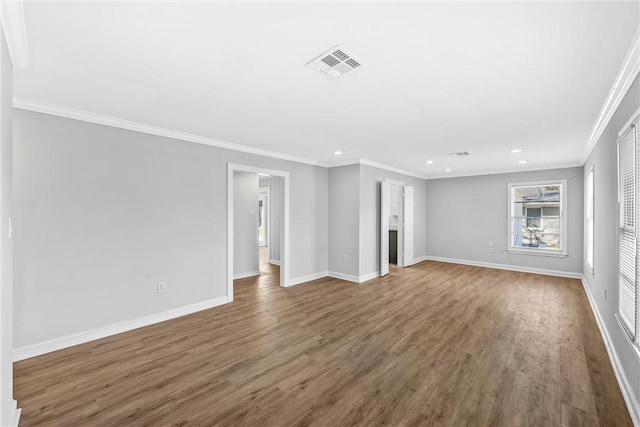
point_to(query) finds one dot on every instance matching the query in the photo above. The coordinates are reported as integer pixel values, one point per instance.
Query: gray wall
(464, 214)
(6, 249)
(370, 179)
(343, 219)
(604, 160)
(276, 207)
(245, 224)
(103, 214)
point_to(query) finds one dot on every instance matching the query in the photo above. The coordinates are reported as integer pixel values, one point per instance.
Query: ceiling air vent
(335, 63)
(460, 154)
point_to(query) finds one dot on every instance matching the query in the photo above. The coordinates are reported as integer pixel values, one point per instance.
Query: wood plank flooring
(434, 344)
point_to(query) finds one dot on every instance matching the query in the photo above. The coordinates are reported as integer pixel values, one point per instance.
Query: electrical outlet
(490, 247)
(162, 287)
(345, 258)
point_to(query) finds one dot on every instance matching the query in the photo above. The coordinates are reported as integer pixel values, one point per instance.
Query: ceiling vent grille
(460, 154)
(335, 63)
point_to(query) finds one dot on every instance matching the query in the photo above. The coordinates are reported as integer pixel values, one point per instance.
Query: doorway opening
(257, 223)
(396, 225)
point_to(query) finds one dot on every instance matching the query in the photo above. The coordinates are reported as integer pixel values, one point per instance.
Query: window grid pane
(627, 239)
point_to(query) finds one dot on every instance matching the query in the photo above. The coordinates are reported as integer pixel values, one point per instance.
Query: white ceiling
(440, 77)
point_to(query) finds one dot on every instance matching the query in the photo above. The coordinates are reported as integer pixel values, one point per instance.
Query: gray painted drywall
(276, 207)
(103, 214)
(464, 214)
(245, 224)
(6, 247)
(343, 219)
(370, 179)
(604, 161)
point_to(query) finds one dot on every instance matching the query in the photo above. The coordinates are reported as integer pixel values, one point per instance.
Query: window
(589, 190)
(537, 222)
(627, 230)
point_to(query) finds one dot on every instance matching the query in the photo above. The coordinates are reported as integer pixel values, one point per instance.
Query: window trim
(591, 175)
(562, 253)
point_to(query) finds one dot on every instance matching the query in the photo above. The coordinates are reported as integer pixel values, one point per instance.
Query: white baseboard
(105, 331)
(342, 276)
(533, 270)
(630, 399)
(352, 278)
(304, 279)
(419, 260)
(369, 276)
(14, 414)
(274, 262)
(245, 275)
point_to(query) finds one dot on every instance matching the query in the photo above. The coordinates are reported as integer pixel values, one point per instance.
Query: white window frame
(562, 252)
(631, 331)
(590, 206)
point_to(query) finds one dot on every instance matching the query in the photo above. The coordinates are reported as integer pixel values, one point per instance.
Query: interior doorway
(263, 213)
(275, 228)
(396, 225)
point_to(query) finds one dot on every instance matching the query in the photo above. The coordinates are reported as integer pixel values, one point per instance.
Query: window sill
(537, 252)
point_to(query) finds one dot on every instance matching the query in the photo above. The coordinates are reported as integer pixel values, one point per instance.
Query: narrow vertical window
(627, 232)
(589, 222)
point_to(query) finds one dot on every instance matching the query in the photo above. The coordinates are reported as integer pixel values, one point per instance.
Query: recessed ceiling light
(522, 162)
(447, 170)
(337, 152)
(429, 162)
(516, 150)
(263, 174)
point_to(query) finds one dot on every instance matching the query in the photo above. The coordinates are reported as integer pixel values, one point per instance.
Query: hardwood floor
(434, 344)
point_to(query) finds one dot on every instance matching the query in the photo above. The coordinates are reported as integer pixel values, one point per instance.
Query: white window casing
(538, 214)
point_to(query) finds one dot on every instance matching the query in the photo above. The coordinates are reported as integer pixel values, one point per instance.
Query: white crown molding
(633, 406)
(510, 170)
(382, 166)
(376, 165)
(15, 33)
(101, 119)
(118, 328)
(626, 76)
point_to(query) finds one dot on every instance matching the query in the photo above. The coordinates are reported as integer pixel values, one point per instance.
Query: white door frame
(284, 262)
(400, 244)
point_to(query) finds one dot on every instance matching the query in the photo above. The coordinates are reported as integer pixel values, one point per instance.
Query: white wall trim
(14, 415)
(352, 278)
(274, 261)
(533, 270)
(15, 33)
(633, 406)
(508, 170)
(308, 278)
(628, 72)
(285, 265)
(382, 166)
(245, 275)
(101, 119)
(117, 328)
(419, 260)
(342, 276)
(369, 276)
